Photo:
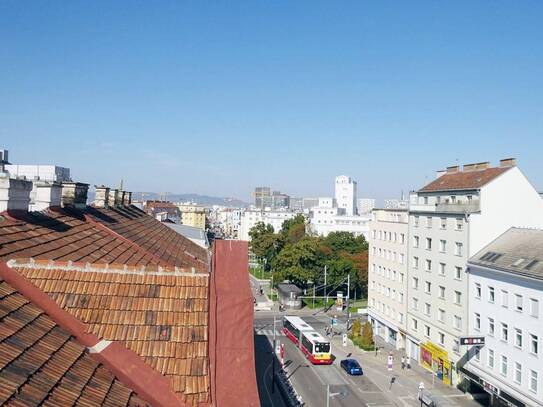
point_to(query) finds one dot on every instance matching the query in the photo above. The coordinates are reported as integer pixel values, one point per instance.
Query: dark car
(352, 367)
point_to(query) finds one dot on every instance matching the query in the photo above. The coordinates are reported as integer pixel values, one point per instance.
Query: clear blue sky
(218, 97)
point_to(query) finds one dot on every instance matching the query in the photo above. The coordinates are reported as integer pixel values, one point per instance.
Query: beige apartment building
(192, 215)
(387, 275)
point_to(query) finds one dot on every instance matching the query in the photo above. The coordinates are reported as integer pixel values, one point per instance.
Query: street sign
(491, 388)
(344, 339)
(472, 340)
(390, 359)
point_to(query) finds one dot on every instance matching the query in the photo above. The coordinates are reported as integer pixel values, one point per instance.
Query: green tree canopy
(345, 242)
(299, 262)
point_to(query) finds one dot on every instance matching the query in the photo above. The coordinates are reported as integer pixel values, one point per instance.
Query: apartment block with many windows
(505, 300)
(387, 275)
(450, 219)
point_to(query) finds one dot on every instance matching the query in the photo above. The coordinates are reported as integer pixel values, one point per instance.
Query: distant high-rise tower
(346, 194)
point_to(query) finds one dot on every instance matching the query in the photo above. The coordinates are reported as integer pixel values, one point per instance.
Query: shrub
(355, 329)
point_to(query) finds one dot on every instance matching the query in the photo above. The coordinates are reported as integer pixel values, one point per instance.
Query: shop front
(436, 359)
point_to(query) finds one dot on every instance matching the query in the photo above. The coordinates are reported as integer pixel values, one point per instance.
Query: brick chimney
(101, 196)
(127, 198)
(508, 162)
(113, 197)
(75, 194)
(46, 195)
(14, 193)
(121, 198)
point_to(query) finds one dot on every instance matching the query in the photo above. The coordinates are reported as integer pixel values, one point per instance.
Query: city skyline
(171, 89)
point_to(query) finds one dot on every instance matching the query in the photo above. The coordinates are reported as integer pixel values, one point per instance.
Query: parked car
(352, 367)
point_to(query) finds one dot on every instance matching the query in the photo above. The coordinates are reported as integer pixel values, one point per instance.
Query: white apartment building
(250, 218)
(505, 300)
(345, 194)
(52, 173)
(365, 205)
(387, 275)
(450, 219)
(327, 217)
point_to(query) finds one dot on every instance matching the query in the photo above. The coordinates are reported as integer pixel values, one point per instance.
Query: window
(505, 332)
(416, 221)
(428, 265)
(533, 381)
(458, 249)
(477, 354)
(400, 298)
(443, 223)
(534, 307)
(428, 243)
(490, 294)
(457, 297)
(491, 326)
(402, 238)
(428, 221)
(427, 330)
(457, 322)
(415, 241)
(427, 309)
(478, 290)
(441, 292)
(456, 346)
(415, 262)
(518, 372)
(442, 269)
(518, 338)
(441, 338)
(442, 246)
(459, 223)
(503, 370)
(402, 258)
(427, 287)
(441, 315)
(458, 273)
(518, 302)
(415, 303)
(505, 299)
(415, 283)
(534, 344)
(414, 324)
(490, 359)
(477, 321)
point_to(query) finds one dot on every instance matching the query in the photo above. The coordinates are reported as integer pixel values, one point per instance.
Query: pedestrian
(403, 362)
(407, 363)
(254, 300)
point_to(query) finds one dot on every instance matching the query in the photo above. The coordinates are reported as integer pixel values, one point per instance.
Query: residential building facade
(505, 298)
(387, 275)
(450, 219)
(192, 215)
(250, 218)
(365, 205)
(345, 193)
(328, 217)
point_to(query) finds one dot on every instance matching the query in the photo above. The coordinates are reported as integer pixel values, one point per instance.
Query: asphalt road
(311, 381)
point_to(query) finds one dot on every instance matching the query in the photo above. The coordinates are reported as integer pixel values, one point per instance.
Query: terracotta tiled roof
(43, 364)
(161, 314)
(63, 236)
(151, 235)
(464, 179)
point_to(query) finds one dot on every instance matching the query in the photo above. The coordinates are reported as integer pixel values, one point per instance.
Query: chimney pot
(101, 196)
(14, 193)
(75, 194)
(127, 199)
(121, 198)
(508, 162)
(46, 195)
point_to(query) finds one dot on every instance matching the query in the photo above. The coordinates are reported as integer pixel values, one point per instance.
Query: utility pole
(325, 297)
(348, 296)
(327, 395)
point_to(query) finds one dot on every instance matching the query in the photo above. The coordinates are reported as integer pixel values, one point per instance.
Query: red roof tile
(161, 315)
(474, 179)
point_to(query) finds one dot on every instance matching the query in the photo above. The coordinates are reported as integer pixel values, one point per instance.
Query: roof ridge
(114, 268)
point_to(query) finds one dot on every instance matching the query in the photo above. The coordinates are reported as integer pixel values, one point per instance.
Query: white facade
(39, 172)
(327, 217)
(365, 205)
(446, 227)
(345, 194)
(523, 360)
(250, 218)
(387, 275)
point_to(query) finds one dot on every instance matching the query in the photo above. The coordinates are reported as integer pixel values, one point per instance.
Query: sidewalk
(263, 303)
(404, 390)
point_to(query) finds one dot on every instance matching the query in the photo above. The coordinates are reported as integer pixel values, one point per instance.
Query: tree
(298, 262)
(346, 242)
(293, 230)
(356, 328)
(367, 336)
(264, 243)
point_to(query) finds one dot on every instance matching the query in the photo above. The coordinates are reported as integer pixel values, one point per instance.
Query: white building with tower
(365, 205)
(345, 193)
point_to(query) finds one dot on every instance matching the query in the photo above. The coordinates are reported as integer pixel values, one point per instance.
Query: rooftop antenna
(121, 185)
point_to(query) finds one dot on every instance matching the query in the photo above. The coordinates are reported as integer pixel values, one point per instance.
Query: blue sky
(217, 97)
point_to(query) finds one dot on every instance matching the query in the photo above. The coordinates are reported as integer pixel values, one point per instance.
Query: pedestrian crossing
(267, 332)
